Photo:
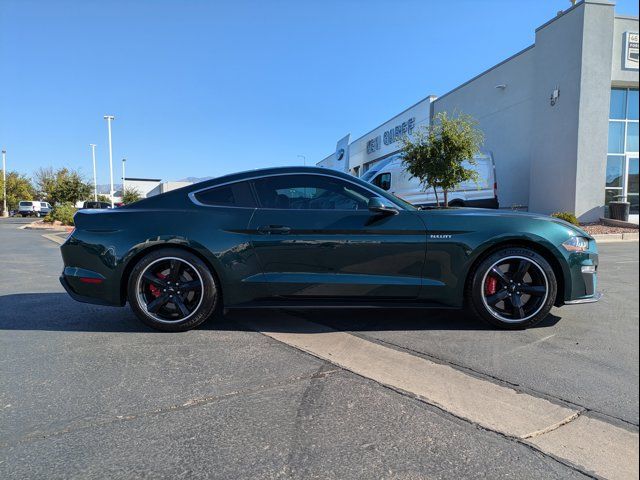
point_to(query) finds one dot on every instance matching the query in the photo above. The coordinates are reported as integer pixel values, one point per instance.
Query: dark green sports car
(310, 237)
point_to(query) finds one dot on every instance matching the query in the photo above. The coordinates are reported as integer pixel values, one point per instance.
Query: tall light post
(95, 179)
(124, 161)
(304, 159)
(109, 118)
(5, 212)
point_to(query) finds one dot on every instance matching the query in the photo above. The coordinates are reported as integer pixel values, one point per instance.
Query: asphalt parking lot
(88, 391)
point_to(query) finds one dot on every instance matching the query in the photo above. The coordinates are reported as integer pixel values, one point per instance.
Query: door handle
(274, 229)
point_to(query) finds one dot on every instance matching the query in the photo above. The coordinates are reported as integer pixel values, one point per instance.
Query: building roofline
(626, 17)
(396, 115)
(573, 7)
(487, 71)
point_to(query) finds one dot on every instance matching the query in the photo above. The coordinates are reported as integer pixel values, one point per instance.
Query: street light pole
(95, 181)
(108, 118)
(124, 160)
(304, 159)
(5, 212)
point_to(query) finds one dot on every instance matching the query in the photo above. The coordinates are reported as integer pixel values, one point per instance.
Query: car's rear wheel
(172, 290)
(513, 288)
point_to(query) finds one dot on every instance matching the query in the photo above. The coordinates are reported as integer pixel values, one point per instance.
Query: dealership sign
(391, 135)
(631, 50)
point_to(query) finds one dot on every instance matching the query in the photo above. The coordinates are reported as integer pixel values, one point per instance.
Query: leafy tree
(18, 188)
(60, 186)
(45, 182)
(130, 195)
(435, 154)
(104, 198)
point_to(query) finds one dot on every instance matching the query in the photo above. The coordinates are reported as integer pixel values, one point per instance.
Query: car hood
(490, 213)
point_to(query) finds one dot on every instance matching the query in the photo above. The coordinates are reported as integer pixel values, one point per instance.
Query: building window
(622, 158)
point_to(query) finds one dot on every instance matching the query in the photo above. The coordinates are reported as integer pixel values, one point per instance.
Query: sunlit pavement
(88, 391)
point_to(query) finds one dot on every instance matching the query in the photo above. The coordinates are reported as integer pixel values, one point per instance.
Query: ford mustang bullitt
(305, 237)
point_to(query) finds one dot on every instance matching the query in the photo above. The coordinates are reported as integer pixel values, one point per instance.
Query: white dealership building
(560, 117)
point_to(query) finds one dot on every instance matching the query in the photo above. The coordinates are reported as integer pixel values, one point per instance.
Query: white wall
(143, 186)
(505, 117)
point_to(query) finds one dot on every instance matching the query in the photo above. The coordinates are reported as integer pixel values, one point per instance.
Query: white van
(29, 208)
(391, 175)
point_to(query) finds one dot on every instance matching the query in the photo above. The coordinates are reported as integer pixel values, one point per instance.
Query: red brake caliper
(155, 291)
(491, 285)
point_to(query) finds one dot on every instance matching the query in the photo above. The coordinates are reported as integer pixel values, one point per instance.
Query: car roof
(262, 172)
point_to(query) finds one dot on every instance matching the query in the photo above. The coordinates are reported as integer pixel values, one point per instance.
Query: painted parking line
(558, 430)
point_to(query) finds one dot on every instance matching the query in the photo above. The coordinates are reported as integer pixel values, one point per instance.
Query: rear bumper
(83, 298)
(87, 286)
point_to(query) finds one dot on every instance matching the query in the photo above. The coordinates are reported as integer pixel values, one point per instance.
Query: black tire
(522, 282)
(179, 302)
(456, 203)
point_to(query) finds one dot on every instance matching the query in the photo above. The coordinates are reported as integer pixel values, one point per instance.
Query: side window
(232, 195)
(383, 181)
(310, 192)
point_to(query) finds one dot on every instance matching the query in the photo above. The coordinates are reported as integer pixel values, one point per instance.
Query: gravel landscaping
(600, 229)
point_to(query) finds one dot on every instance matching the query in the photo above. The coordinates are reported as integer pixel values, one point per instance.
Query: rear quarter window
(26, 204)
(232, 195)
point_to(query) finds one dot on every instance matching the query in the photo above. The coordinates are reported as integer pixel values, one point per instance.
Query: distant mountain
(195, 179)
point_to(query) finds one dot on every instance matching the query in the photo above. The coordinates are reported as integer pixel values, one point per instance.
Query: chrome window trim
(192, 195)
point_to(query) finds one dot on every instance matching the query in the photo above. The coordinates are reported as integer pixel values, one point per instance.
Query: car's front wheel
(513, 288)
(172, 290)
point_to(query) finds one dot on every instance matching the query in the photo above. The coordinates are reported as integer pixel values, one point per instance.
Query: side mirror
(379, 206)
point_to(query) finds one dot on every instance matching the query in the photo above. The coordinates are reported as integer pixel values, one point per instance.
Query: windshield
(396, 200)
(368, 175)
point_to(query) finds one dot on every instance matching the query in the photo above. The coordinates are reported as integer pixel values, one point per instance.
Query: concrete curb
(560, 431)
(616, 237)
(617, 223)
(54, 237)
(52, 228)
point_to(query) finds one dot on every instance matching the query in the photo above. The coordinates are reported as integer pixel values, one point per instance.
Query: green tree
(18, 188)
(435, 155)
(130, 195)
(62, 185)
(104, 198)
(45, 182)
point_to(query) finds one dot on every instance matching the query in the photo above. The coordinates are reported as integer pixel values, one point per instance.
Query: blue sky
(204, 88)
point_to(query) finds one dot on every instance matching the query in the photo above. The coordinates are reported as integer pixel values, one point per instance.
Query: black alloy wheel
(172, 290)
(513, 288)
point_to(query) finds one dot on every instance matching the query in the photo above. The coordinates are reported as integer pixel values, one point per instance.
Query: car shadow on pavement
(58, 312)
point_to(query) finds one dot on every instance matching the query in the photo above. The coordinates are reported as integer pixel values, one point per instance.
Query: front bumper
(581, 283)
(593, 299)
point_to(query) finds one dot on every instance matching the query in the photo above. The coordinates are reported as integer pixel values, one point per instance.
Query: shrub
(567, 217)
(62, 212)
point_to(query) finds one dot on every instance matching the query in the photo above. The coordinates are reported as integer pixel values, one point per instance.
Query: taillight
(495, 189)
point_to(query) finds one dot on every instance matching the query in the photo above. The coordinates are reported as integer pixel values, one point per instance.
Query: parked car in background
(96, 205)
(28, 208)
(392, 176)
(45, 208)
(313, 237)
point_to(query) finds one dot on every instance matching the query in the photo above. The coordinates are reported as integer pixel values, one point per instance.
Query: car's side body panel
(340, 254)
(119, 237)
(457, 238)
